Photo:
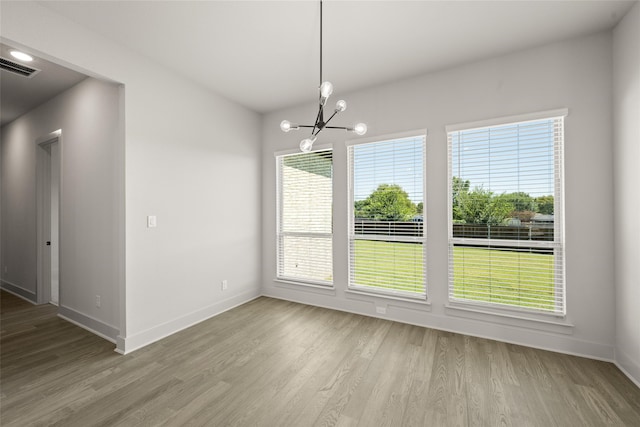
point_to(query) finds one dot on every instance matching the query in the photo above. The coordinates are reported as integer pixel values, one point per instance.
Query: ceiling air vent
(15, 68)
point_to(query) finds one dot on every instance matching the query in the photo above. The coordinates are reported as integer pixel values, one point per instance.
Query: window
(386, 217)
(305, 218)
(506, 213)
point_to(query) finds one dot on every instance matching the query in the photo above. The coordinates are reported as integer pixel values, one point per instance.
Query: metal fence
(388, 228)
(542, 232)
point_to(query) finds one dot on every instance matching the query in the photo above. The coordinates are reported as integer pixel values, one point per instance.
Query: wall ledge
(304, 287)
(514, 320)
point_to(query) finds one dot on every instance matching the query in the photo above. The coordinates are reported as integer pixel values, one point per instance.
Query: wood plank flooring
(277, 363)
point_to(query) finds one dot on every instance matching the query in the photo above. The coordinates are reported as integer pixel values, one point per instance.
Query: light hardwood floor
(277, 363)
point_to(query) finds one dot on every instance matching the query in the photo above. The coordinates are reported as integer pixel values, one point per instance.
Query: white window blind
(305, 191)
(506, 216)
(386, 217)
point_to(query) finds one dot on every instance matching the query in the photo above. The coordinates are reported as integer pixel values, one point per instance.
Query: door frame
(43, 208)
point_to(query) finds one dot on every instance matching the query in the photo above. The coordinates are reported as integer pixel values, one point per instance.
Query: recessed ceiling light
(21, 56)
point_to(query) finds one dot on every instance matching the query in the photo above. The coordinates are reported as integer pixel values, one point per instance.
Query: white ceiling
(19, 94)
(265, 54)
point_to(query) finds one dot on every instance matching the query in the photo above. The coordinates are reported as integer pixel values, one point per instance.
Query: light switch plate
(151, 221)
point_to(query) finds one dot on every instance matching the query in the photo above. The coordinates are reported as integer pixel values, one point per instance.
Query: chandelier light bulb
(341, 106)
(307, 143)
(360, 129)
(326, 89)
(285, 125)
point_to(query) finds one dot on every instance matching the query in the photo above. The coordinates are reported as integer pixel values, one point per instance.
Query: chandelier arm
(329, 119)
(321, 42)
(339, 127)
(319, 120)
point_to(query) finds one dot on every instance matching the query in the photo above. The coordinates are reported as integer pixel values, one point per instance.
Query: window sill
(418, 300)
(306, 286)
(515, 320)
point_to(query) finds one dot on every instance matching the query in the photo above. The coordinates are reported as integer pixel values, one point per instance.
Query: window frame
(280, 276)
(557, 245)
(351, 236)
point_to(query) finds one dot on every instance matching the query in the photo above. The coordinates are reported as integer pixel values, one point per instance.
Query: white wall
(18, 210)
(575, 74)
(626, 113)
(192, 159)
(89, 119)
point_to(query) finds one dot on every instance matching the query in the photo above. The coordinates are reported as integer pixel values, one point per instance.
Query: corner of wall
(627, 365)
(626, 110)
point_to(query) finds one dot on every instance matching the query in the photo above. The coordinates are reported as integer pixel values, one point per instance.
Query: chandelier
(326, 89)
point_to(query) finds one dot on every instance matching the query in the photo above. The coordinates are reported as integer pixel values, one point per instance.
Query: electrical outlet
(381, 310)
(225, 284)
(98, 302)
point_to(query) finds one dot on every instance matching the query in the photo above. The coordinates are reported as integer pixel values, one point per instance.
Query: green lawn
(507, 277)
(389, 265)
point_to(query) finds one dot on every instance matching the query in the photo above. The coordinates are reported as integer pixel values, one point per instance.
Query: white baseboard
(126, 345)
(89, 323)
(18, 291)
(628, 366)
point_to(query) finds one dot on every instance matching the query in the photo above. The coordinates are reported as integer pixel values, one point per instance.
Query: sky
(398, 161)
(503, 159)
(507, 159)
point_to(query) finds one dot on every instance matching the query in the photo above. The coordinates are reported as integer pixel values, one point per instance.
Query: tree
(420, 208)
(459, 188)
(545, 204)
(480, 206)
(499, 209)
(389, 202)
(358, 207)
(522, 201)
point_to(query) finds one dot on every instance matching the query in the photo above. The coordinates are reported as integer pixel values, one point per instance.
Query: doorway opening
(48, 210)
